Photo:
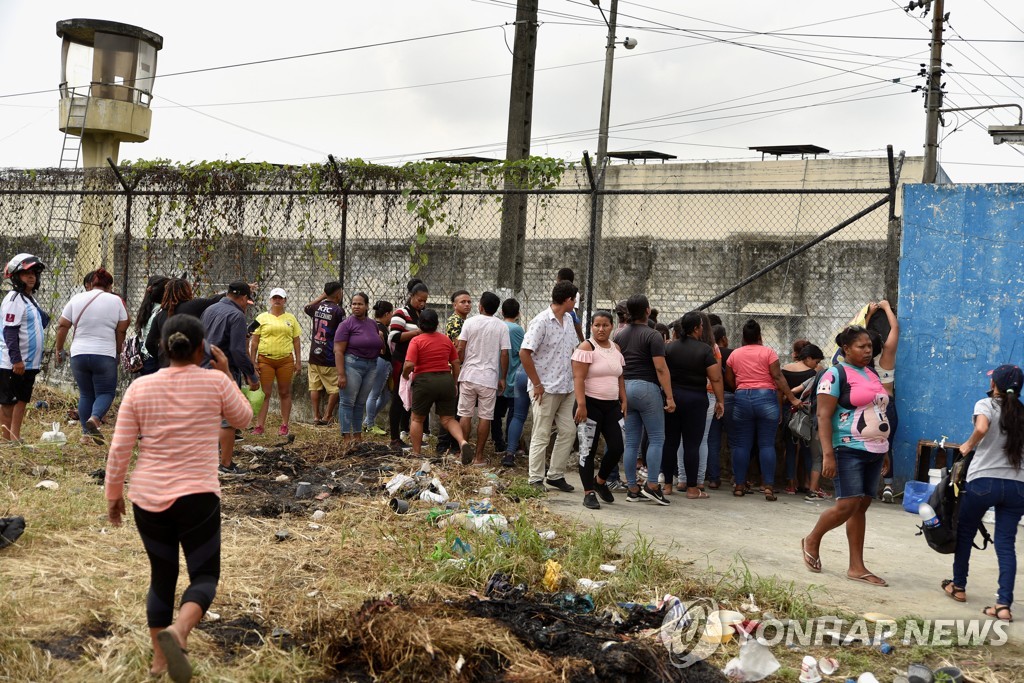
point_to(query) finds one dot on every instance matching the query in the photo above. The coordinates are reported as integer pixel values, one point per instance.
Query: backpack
(945, 500)
(812, 410)
(132, 356)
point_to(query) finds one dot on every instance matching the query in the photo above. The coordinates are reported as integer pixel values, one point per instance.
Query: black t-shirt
(688, 360)
(795, 379)
(193, 307)
(726, 352)
(640, 345)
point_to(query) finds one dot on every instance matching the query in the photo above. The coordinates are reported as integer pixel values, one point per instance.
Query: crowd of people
(623, 391)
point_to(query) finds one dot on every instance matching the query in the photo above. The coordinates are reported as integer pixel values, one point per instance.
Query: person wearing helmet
(21, 348)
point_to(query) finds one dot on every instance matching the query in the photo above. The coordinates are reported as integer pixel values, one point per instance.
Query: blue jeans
(378, 397)
(794, 447)
(1007, 496)
(702, 469)
(755, 417)
(359, 375)
(718, 429)
(646, 412)
(520, 409)
(96, 377)
(503, 406)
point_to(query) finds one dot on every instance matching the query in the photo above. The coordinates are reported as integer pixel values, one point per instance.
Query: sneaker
(821, 493)
(283, 430)
(238, 435)
(590, 501)
(257, 430)
(812, 497)
(604, 492)
(508, 459)
(634, 497)
(661, 478)
(561, 484)
(398, 445)
(539, 485)
(887, 494)
(231, 470)
(653, 494)
(374, 430)
(616, 485)
(641, 473)
(790, 491)
(404, 436)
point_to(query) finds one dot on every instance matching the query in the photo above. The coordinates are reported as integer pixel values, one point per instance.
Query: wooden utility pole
(931, 138)
(520, 122)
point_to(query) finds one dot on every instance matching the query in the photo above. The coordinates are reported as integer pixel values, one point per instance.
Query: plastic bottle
(928, 516)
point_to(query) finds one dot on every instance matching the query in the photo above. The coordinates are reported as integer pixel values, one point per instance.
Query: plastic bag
(256, 398)
(55, 436)
(915, 493)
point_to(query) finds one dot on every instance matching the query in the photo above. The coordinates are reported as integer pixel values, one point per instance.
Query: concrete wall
(961, 306)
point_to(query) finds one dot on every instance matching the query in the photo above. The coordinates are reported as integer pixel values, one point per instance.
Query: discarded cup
(809, 670)
(547, 535)
(954, 674)
(399, 506)
(303, 489)
(867, 677)
(919, 673)
(828, 665)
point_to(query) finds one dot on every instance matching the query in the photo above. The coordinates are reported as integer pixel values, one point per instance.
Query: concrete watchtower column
(107, 75)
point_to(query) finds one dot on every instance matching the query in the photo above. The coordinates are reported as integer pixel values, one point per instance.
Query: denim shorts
(857, 472)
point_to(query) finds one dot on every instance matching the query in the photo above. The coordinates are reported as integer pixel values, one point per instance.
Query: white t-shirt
(16, 311)
(990, 457)
(95, 333)
(486, 337)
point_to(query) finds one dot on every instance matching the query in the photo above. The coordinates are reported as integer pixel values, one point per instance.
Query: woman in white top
(99, 320)
(885, 364)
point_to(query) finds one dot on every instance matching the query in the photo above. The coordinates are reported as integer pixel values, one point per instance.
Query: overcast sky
(698, 85)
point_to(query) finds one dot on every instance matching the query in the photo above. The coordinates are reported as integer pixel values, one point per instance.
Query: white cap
(278, 291)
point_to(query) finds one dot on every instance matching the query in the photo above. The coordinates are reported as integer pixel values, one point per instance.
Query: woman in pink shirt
(754, 370)
(175, 416)
(600, 404)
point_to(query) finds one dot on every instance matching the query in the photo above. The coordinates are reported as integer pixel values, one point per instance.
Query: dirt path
(714, 532)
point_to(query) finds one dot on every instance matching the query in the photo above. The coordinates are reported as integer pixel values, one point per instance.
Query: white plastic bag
(55, 436)
(755, 663)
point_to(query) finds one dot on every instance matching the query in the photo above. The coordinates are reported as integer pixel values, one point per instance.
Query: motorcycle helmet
(22, 263)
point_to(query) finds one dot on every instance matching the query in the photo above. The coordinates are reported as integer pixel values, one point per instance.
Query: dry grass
(73, 589)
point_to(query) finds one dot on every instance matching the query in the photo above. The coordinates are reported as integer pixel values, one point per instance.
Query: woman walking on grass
(276, 352)
(175, 417)
(100, 321)
(995, 479)
(853, 431)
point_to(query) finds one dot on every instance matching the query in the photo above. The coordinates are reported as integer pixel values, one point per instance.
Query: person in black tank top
(797, 374)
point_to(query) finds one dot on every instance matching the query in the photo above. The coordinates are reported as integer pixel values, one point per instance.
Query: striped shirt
(176, 415)
(20, 310)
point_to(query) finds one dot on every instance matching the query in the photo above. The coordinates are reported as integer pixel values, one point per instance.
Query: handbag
(800, 423)
(132, 358)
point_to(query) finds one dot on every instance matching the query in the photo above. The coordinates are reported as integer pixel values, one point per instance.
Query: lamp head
(628, 43)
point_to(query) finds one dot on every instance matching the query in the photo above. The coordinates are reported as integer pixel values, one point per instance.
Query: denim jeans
(503, 406)
(520, 409)
(718, 429)
(646, 412)
(378, 397)
(359, 375)
(1007, 496)
(702, 470)
(755, 418)
(96, 377)
(794, 447)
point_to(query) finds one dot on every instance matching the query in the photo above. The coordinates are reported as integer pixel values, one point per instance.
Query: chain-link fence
(683, 247)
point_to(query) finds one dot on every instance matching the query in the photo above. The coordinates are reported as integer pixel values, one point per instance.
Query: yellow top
(276, 334)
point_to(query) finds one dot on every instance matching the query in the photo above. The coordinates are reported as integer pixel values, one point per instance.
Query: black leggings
(398, 417)
(606, 415)
(686, 424)
(192, 521)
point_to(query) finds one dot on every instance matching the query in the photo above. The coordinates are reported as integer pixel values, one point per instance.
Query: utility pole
(520, 122)
(934, 102)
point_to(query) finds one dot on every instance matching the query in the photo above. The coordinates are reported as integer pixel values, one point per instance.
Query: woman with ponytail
(995, 479)
(175, 494)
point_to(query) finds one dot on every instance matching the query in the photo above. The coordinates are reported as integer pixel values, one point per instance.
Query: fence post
(343, 188)
(894, 234)
(129, 196)
(592, 250)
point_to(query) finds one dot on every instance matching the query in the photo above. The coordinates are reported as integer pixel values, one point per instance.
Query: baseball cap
(1008, 378)
(239, 288)
(278, 291)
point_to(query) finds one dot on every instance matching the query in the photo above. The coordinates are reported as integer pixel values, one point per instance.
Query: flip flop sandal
(769, 495)
(865, 578)
(994, 610)
(178, 667)
(810, 561)
(950, 589)
(714, 485)
(700, 496)
(739, 492)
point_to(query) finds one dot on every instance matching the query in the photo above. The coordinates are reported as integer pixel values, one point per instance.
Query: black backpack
(945, 500)
(815, 442)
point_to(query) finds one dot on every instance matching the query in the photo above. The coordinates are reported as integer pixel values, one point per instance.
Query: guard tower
(107, 75)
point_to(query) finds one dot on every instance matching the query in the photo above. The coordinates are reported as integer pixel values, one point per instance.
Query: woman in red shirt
(754, 370)
(432, 356)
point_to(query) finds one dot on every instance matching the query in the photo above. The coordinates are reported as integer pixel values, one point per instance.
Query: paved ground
(717, 531)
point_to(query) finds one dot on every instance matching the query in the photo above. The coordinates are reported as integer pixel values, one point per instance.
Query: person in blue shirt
(21, 349)
(505, 404)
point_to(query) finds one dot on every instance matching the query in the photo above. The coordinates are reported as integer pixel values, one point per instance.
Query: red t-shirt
(431, 352)
(751, 364)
